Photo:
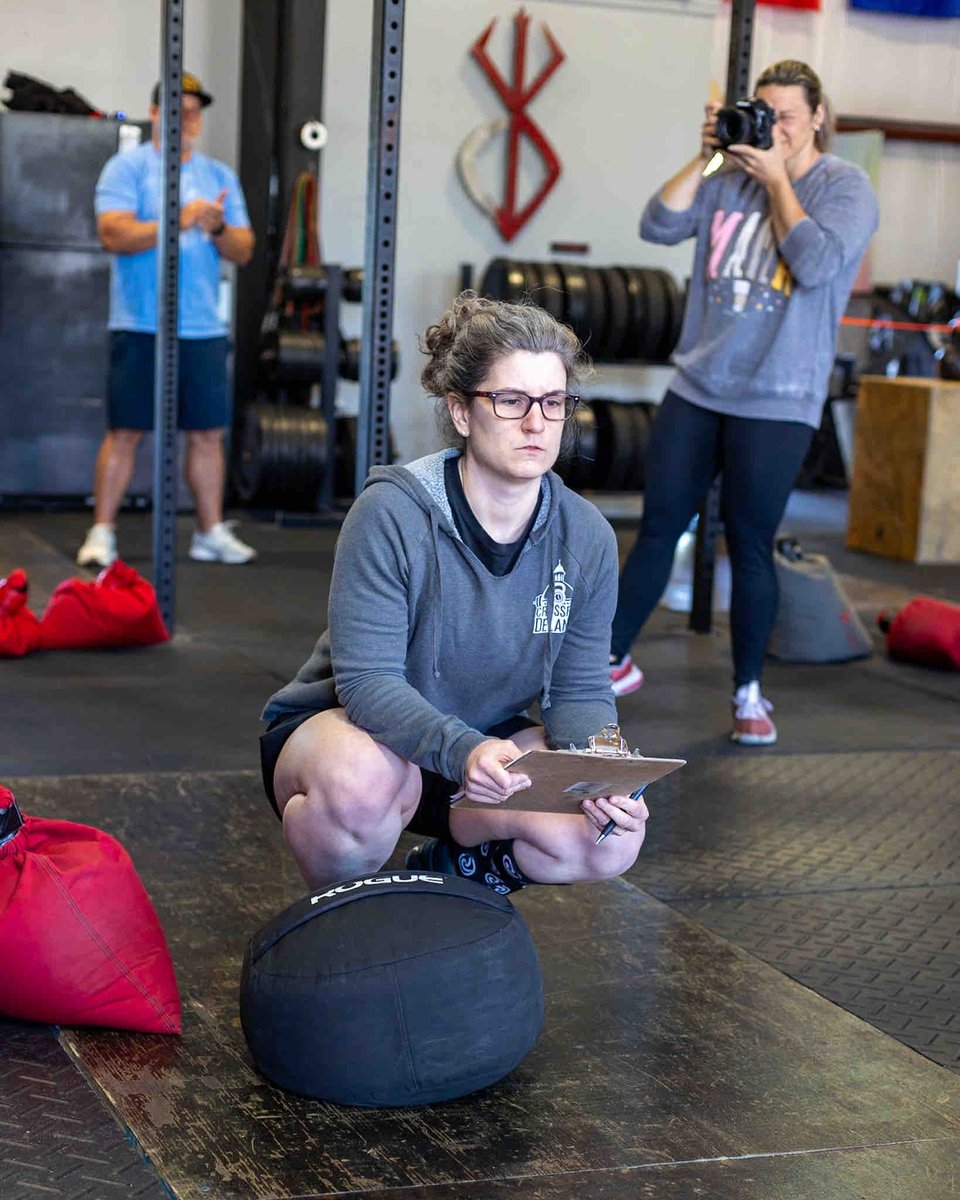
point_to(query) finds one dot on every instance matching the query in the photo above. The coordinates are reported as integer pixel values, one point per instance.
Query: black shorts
(202, 401)
(432, 818)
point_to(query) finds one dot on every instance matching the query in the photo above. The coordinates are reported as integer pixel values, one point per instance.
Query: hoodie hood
(423, 481)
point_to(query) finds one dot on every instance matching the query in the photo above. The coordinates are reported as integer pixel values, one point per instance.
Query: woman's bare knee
(614, 855)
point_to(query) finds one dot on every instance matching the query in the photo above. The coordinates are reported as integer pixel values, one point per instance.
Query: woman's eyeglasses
(513, 405)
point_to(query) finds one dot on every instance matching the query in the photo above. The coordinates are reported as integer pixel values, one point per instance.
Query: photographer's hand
(680, 192)
(766, 166)
(708, 131)
(769, 167)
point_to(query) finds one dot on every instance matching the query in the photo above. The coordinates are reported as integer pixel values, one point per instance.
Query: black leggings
(689, 446)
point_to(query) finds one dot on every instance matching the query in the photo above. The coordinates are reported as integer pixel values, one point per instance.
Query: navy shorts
(432, 818)
(202, 401)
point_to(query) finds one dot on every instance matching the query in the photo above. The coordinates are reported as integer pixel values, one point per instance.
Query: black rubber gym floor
(842, 870)
(662, 1043)
(674, 1062)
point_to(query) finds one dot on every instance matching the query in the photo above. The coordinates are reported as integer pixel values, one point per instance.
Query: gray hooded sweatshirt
(425, 649)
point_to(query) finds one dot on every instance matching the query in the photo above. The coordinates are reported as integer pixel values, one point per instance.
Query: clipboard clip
(609, 742)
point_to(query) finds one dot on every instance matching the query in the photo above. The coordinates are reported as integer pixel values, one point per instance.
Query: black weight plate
(641, 435)
(607, 460)
(657, 316)
(577, 465)
(293, 447)
(303, 282)
(597, 321)
(637, 291)
(516, 282)
(300, 356)
(578, 300)
(248, 467)
(346, 456)
(307, 447)
(534, 281)
(624, 451)
(353, 285)
(671, 327)
(603, 431)
(586, 446)
(618, 309)
(494, 281)
(554, 297)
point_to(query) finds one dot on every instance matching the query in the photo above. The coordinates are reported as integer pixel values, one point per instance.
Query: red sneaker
(751, 717)
(625, 676)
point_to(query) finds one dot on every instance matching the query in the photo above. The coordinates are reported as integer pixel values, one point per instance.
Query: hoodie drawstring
(552, 557)
(438, 607)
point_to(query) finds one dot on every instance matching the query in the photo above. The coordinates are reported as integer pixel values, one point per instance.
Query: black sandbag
(396, 988)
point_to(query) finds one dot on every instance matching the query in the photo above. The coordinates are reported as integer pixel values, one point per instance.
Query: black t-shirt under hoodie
(497, 557)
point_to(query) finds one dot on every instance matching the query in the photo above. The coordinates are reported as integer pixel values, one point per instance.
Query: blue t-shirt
(130, 182)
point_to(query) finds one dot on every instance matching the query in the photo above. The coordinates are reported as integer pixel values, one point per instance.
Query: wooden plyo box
(905, 491)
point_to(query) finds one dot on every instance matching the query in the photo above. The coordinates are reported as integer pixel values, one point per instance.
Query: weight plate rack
(620, 313)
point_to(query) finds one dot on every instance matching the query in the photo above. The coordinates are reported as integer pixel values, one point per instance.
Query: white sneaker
(99, 549)
(220, 544)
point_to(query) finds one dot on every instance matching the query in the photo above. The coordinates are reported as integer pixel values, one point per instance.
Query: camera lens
(734, 127)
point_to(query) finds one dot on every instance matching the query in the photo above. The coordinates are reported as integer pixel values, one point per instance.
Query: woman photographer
(467, 586)
(779, 236)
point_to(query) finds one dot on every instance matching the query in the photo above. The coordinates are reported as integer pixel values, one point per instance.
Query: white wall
(109, 51)
(608, 111)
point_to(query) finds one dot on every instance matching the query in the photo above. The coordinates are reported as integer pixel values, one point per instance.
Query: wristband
(220, 228)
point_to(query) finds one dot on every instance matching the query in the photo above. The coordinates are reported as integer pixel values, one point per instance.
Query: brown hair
(790, 72)
(474, 333)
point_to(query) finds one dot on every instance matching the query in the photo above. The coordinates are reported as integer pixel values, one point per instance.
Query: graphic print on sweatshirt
(745, 273)
(553, 619)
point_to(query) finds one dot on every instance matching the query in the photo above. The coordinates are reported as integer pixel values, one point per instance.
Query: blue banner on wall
(910, 8)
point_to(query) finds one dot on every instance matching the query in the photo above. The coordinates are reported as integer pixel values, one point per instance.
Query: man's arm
(227, 222)
(122, 233)
(234, 243)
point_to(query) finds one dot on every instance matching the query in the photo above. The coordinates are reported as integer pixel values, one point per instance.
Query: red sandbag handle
(11, 818)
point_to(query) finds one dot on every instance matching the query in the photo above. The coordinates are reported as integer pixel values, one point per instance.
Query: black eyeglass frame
(531, 401)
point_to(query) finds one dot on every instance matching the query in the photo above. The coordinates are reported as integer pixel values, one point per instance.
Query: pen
(611, 824)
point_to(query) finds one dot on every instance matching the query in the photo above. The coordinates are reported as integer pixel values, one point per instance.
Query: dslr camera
(746, 123)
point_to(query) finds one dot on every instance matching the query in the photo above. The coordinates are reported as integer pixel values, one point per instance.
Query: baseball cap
(190, 86)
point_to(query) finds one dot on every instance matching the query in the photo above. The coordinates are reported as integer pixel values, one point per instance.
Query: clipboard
(562, 779)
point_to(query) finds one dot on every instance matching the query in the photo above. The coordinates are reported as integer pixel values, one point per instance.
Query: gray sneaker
(99, 548)
(220, 544)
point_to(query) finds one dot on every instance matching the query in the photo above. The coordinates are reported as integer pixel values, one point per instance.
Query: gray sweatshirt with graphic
(760, 330)
(425, 649)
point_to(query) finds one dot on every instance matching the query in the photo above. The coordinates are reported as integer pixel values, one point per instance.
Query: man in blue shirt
(213, 225)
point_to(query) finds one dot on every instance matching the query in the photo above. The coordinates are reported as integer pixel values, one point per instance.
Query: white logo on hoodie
(560, 612)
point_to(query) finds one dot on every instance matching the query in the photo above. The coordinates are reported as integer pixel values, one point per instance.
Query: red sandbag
(925, 631)
(19, 628)
(118, 608)
(79, 939)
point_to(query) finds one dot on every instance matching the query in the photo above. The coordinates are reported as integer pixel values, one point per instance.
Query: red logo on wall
(508, 218)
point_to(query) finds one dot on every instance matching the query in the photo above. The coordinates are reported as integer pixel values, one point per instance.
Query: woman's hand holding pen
(486, 779)
(625, 814)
